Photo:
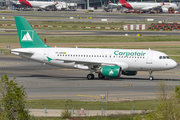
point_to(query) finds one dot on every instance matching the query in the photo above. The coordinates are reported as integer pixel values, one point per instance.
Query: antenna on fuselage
(149, 49)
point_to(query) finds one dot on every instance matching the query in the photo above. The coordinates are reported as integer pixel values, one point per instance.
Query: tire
(90, 76)
(151, 78)
(101, 76)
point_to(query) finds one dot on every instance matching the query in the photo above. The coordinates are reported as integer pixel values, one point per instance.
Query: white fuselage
(128, 59)
(141, 6)
(43, 5)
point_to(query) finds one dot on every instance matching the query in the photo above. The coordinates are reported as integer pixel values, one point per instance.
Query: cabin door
(149, 58)
(46, 53)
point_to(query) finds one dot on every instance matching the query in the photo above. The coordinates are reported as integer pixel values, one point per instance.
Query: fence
(88, 108)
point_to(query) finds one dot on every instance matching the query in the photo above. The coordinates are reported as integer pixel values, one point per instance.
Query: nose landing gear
(150, 76)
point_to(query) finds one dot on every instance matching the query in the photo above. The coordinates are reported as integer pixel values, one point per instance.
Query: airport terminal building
(82, 4)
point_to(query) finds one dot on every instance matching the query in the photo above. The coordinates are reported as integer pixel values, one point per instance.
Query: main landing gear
(101, 76)
(90, 76)
(150, 75)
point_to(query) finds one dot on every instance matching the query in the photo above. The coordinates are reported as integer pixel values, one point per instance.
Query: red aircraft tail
(110, 2)
(25, 2)
(122, 1)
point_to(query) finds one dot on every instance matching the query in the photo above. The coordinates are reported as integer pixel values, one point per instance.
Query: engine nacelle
(165, 10)
(111, 71)
(129, 73)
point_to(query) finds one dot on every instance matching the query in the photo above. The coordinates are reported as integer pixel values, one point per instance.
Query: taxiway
(49, 82)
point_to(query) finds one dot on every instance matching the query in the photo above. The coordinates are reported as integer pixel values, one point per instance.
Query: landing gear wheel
(150, 75)
(151, 78)
(101, 76)
(90, 76)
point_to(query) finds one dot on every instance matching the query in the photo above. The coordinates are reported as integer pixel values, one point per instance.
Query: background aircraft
(147, 7)
(105, 62)
(111, 6)
(48, 5)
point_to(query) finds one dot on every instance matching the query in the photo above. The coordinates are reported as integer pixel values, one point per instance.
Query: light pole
(88, 4)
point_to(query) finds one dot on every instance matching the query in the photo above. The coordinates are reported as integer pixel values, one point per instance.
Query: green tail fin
(28, 38)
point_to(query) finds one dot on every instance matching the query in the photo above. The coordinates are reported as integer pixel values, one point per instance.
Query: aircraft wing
(86, 62)
(91, 64)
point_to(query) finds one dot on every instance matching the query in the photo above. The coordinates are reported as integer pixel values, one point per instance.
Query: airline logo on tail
(27, 35)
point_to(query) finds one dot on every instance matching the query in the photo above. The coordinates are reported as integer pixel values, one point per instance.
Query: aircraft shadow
(66, 78)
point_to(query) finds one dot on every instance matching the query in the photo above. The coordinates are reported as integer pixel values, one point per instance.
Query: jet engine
(111, 71)
(129, 73)
(165, 10)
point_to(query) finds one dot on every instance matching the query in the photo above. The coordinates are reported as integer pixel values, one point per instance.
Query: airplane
(111, 6)
(44, 5)
(105, 62)
(163, 7)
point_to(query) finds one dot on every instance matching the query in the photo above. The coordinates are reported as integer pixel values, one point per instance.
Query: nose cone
(173, 64)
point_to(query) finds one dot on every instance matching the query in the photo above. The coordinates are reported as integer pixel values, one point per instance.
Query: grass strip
(95, 39)
(172, 50)
(110, 117)
(73, 24)
(90, 105)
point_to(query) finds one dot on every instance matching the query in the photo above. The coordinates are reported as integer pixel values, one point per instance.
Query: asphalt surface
(5, 32)
(49, 82)
(96, 16)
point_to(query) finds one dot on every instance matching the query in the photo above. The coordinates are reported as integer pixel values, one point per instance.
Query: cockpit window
(164, 57)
